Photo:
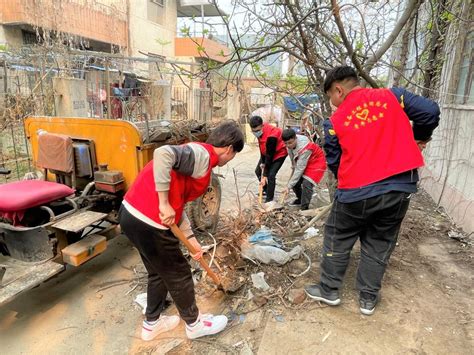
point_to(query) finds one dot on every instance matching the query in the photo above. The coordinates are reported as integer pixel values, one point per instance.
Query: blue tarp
(298, 103)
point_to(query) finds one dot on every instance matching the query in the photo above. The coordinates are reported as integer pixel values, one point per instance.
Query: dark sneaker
(367, 303)
(316, 292)
(295, 203)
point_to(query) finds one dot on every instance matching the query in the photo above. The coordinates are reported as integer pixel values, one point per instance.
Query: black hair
(255, 121)
(225, 134)
(339, 74)
(288, 134)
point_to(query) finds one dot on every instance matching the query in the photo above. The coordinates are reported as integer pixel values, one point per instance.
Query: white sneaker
(163, 324)
(207, 324)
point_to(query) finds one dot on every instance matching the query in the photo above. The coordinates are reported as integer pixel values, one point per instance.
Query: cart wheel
(204, 212)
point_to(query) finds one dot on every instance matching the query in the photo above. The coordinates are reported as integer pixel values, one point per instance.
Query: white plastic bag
(259, 282)
(268, 254)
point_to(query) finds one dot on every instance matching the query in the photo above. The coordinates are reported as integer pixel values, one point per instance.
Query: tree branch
(347, 44)
(410, 7)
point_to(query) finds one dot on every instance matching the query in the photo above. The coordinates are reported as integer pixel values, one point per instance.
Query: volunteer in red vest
(272, 154)
(374, 151)
(308, 163)
(176, 175)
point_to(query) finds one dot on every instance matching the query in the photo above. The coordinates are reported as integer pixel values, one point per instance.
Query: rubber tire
(197, 212)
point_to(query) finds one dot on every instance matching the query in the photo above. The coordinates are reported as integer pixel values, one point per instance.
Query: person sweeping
(156, 200)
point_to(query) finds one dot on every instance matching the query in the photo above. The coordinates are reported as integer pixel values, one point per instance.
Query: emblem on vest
(365, 114)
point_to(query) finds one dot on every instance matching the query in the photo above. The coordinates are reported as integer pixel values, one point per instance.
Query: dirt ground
(426, 305)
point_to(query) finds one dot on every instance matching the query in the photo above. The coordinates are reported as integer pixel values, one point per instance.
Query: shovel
(179, 234)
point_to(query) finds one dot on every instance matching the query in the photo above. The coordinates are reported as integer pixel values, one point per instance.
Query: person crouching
(308, 163)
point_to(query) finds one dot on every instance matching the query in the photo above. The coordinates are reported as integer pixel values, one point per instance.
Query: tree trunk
(400, 68)
(435, 57)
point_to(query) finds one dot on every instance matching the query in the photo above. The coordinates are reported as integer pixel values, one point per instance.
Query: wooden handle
(179, 234)
(260, 194)
(285, 195)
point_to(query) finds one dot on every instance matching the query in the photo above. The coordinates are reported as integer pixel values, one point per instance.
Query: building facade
(135, 28)
(449, 157)
(87, 25)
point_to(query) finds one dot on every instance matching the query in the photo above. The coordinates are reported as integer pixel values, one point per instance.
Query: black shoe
(367, 303)
(295, 203)
(316, 292)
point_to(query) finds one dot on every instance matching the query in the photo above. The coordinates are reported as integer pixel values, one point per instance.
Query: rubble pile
(283, 222)
(268, 252)
(172, 132)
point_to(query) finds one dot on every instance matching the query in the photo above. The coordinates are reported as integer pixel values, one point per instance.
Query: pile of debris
(172, 132)
(258, 256)
(263, 253)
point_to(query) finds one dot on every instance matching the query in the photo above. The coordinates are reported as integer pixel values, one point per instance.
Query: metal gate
(202, 105)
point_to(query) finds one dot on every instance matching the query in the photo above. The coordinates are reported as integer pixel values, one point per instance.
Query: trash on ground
(458, 236)
(259, 282)
(270, 254)
(310, 233)
(141, 300)
(297, 296)
(264, 237)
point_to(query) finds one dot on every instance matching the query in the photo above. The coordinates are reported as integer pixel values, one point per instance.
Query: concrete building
(88, 25)
(152, 27)
(132, 27)
(449, 173)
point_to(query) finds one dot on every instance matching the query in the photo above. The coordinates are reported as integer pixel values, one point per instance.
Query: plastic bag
(263, 237)
(269, 254)
(310, 233)
(259, 282)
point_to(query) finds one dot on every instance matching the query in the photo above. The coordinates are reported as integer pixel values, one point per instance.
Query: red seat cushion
(21, 195)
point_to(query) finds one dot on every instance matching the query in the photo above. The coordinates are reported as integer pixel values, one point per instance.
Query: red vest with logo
(143, 196)
(271, 131)
(376, 138)
(316, 164)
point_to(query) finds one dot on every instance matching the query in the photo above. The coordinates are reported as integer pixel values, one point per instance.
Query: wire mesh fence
(66, 83)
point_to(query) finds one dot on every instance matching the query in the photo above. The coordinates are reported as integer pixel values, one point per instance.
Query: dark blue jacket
(424, 114)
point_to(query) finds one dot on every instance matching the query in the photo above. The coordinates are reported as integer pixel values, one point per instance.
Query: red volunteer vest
(143, 196)
(316, 164)
(271, 131)
(375, 136)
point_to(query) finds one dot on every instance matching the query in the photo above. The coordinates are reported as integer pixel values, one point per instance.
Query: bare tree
(320, 34)
(317, 34)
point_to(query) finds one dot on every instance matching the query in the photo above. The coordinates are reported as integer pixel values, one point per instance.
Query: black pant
(304, 192)
(376, 222)
(168, 269)
(271, 177)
